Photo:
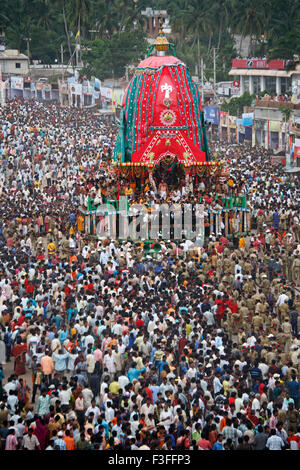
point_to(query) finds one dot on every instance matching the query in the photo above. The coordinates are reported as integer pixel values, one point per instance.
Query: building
(276, 79)
(12, 62)
(258, 75)
(153, 20)
(78, 95)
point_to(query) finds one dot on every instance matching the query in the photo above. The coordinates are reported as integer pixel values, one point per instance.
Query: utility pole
(199, 61)
(214, 69)
(62, 60)
(202, 82)
(2, 98)
(28, 49)
(76, 53)
(77, 43)
(112, 94)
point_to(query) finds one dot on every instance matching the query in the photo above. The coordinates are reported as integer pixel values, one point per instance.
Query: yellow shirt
(114, 388)
(242, 243)
(226, 387)
(80, 221)
(73, 331)
(51, 248)
(188, 329)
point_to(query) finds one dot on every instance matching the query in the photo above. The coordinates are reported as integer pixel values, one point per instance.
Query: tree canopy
(198, 28)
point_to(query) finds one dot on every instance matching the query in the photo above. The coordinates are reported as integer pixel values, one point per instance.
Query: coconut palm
(284, 34)
(221, 10)
(80, 15)
(248, 19)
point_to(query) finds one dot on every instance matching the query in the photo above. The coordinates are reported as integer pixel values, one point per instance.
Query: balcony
(275, 104)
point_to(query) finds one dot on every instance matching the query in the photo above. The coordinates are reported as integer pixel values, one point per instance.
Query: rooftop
(12, 54)
(261, 67)
(275, 104)
(259, 63)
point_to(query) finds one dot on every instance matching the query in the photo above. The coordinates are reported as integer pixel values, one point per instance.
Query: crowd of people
(105, 348)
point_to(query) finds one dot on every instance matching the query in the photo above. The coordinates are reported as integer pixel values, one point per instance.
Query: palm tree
(284, 34)
(80, 13)
(19, 23)
(178, 12)
(221, 11)
(113, 16)
(64, 4)
(248, 20)
(4, 14)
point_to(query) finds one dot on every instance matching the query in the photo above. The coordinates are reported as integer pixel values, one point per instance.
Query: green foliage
(236, 105)
(109, 56)
(198, 27)
(284, 38)
(286, 112)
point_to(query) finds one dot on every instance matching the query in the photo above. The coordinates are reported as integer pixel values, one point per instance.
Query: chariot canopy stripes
(162, 114)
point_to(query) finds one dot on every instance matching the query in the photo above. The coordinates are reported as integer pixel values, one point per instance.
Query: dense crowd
(104, 348)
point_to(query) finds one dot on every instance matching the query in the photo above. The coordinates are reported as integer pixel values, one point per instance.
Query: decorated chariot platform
(162, 135)
(162, 119)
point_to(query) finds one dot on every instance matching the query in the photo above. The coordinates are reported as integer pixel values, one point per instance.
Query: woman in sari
(41, 433)
(19, 353)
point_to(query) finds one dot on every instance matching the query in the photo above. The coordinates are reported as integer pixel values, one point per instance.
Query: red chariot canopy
(162, 115)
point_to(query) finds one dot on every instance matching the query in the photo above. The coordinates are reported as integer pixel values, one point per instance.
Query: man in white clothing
(93, 409)
(109, 363)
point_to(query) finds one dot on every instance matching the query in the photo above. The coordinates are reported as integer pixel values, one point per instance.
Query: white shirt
(94, 410)
(109, 362)
(209, 317)
(281, 299)
(256, 406)
(217, 385)
(123, 381)
(64, 396)
(109, 414)
(264, 369)
(166, 422)
(87, 397)
(30, 443)
(275, 443)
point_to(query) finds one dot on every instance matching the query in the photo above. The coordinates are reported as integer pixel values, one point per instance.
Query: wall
(268, 114)
(9, 66)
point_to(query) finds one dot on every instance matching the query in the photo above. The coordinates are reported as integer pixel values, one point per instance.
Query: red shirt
(67, 291)
(29, 288)
(90, 286)
(150, 394)
(220, 249)
(139, 323)
(204, 444)
(21, 320)
(220, 309)
(233, 307)
(181, 344)
(294, 438)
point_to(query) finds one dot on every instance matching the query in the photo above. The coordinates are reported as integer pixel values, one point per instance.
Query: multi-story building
(281, 87)
(258, 75)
